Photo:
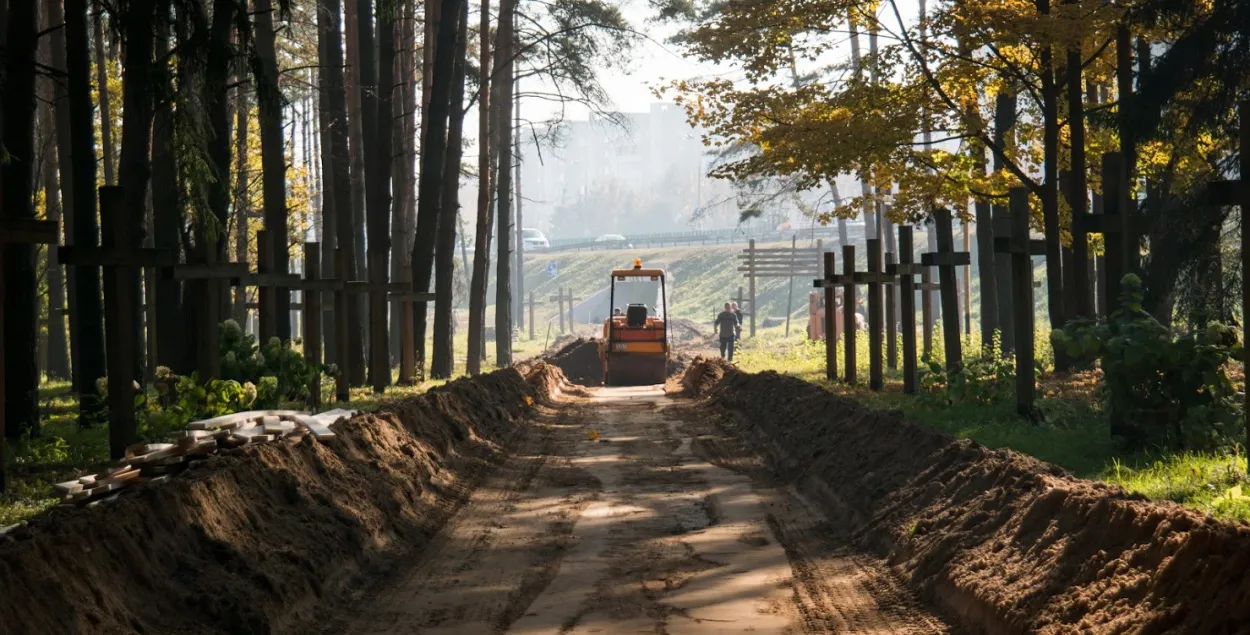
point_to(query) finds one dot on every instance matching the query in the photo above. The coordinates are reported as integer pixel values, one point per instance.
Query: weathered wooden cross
(891, 318)
(121, 256)
(17, 231)
(874, 278)
(926, 305)
(906, 271)
(1119, 224)
(828, 283)
(849, 327)
(946, 259)
(1022, 249)
(559, 300)
(531, 304)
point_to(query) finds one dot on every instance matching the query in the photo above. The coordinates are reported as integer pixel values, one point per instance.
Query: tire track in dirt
(627, 513)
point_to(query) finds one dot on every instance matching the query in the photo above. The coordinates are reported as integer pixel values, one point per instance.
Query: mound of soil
(700, 375)
(253, 540)
(1007, 543)
(580, 362)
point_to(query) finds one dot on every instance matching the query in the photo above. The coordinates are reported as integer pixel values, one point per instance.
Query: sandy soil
(625, 512)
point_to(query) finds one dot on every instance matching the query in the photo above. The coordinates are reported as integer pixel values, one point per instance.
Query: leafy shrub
(987, 379)
(175, 401)
(244, 361)
(1160, 386)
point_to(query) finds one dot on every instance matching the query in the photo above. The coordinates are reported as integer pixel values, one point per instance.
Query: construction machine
(634, 348)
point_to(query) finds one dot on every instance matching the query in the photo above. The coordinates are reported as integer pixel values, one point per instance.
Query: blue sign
(551, 269)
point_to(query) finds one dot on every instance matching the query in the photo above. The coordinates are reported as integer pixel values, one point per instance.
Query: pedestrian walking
(726, 326)
(733, 306)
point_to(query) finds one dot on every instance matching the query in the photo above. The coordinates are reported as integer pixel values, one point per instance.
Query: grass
(1074, 435)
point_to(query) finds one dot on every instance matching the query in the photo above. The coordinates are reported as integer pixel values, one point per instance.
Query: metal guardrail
(704, 237)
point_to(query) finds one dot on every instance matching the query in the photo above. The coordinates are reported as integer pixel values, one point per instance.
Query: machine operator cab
(634, 349)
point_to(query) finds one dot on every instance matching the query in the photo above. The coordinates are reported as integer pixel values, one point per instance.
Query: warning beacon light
(638, 263)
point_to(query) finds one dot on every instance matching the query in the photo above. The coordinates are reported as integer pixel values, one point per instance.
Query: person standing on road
(733, 306)
(726, 325)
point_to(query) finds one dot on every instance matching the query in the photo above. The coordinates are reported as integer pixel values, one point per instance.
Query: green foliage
(173, 401)
(987, 379)
(1160, 386)
(279, 371)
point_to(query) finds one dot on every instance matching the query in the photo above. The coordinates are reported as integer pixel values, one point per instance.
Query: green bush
(173, 401)
(244, 361)
(1161, 387)
(987, 379)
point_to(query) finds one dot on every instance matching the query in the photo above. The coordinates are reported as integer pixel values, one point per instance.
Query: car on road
(614, 240)
(534, 240)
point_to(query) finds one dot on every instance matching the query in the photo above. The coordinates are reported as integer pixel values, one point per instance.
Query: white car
(534, 240)
(615, 240)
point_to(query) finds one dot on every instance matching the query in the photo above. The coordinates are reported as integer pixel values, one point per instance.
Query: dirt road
(626, 512)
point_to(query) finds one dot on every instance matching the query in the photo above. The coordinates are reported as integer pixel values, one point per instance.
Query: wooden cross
(1022, 249)
(891, 320)
(848, 311)
(946, 259)
(559, 300)
(17, 231)
(531, 303)
(906, 270)
(1237, 192)
(829, 285)
(121, 257)
(874, 278)
(1119, 225)
(926, 286)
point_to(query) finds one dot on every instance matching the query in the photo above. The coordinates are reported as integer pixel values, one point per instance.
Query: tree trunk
(868, 212)
(1050, 191)
(21, 406)
(376, 90)
(172, 339)
(1124, 86)
(205, 295)
(481, 251)
(242, 201)
(356, 331)
(57, 366)
(102, 84)
(329, 200)
(1081, 303)
(505, 67)
(64, 159)
(1005, 105)
(340, 188)
(273, 156)
(134, 167)
(80, 221)
(433, 160)
(441, 365)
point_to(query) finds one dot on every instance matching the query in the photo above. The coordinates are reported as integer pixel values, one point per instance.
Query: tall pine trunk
(433, 161)
(57, 366)
(356, 304)
(242, 201)
(441, 365)
(376, 130)
(21, 406)
(1050, 190)
(340, 188)
(135, 159)
(60, 91)
(273, 155)
(102, 62)
(1081, 301)
(172, 339)
(80, 222)
(1005, 104)
(329, 202)
(481, 250)
(505, 66)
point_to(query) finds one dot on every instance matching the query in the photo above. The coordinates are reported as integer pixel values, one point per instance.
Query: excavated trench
(517, 502)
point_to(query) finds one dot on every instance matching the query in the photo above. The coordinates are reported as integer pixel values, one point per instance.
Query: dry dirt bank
(255, 539)
(1005, 542)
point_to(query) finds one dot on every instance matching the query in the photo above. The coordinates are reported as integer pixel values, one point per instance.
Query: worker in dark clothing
(733, 306)
(726, 325)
